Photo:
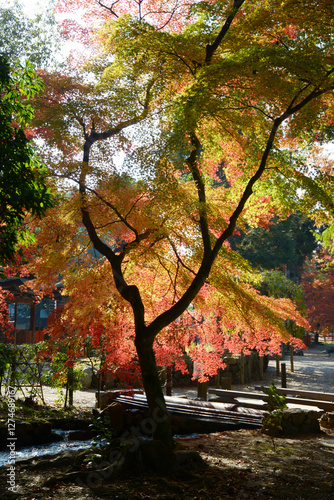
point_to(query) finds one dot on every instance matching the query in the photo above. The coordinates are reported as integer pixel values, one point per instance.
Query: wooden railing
(326, 337)
(324, 401)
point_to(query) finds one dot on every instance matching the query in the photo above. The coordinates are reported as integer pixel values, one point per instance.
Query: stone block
(327, 420)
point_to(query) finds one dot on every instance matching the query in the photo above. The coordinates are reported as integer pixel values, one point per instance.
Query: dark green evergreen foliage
(22, 175)
(284, 245)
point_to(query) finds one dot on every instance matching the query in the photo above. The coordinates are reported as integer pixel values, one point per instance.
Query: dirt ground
(242, 464)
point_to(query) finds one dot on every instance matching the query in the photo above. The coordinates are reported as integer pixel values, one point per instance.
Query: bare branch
(111, 8)
(117, 212)
(211, 48)
(179, 258)
(171, 15)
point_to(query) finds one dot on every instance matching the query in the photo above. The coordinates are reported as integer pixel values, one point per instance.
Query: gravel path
(314, 371)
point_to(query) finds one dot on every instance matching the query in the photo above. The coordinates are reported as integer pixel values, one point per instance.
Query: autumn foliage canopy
(180, 123)
(192, 120)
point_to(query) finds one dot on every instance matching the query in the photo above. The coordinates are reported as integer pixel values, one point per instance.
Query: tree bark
(242, 368)
(261, 367)
(169, 381)
(159, 419)
(291, 359)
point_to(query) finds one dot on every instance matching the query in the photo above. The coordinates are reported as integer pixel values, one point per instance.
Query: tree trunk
(261, 367)
(159, 421)
(291, 359)
(242, 368)
(169, 381)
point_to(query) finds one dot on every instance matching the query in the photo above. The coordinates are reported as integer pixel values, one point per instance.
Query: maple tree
(7, 329)
(214, 107)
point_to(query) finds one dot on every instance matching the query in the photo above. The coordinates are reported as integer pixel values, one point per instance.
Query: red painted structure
(28, 315)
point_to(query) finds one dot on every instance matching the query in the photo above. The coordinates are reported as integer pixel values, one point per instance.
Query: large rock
(327, 420)
(294, 422)
(113, 414)
(28, 433)
(86, 377)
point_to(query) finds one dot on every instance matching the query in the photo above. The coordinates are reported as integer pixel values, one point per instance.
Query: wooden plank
(323, 405)
(256, 404)
(323, 396)
(235, 396)
(195, 412)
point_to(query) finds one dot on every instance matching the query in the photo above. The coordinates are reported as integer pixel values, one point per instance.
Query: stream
(30, 452)
(46, 448)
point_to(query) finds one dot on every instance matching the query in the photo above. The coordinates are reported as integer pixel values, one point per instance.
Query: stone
(327, 420)
(297, 417)
(114, 415)
(288, 429)
(28, 433)
(296, 421)
(86, 377)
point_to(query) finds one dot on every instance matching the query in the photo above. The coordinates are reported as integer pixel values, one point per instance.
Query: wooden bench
(261, 399)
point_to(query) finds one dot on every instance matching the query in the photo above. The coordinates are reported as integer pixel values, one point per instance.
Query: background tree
(243, 83)
(283, 245)
(318, 287)
(22, 175)
(34, 39)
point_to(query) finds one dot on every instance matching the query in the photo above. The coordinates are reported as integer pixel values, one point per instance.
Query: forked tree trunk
(159, 418)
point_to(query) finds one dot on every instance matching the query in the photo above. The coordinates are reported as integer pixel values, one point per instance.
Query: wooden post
(283, 366)
(202, 390)
(99, 390)
(169, 381)
(291, 358)
(277, 364)
(226, 383)
(69, 391)
(242, 368)
(218, 378)
(261, 367)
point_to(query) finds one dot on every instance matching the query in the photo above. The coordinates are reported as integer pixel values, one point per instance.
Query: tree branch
(111, 8)
(193, 167)
(181, 305)
(211, 48)
(117, 212)
(129, 293)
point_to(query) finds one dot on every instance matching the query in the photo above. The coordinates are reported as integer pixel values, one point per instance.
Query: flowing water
(46, 448)
(39, 451)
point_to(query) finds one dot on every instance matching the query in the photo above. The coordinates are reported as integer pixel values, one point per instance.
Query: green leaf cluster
(272, 420)
(22, 176)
